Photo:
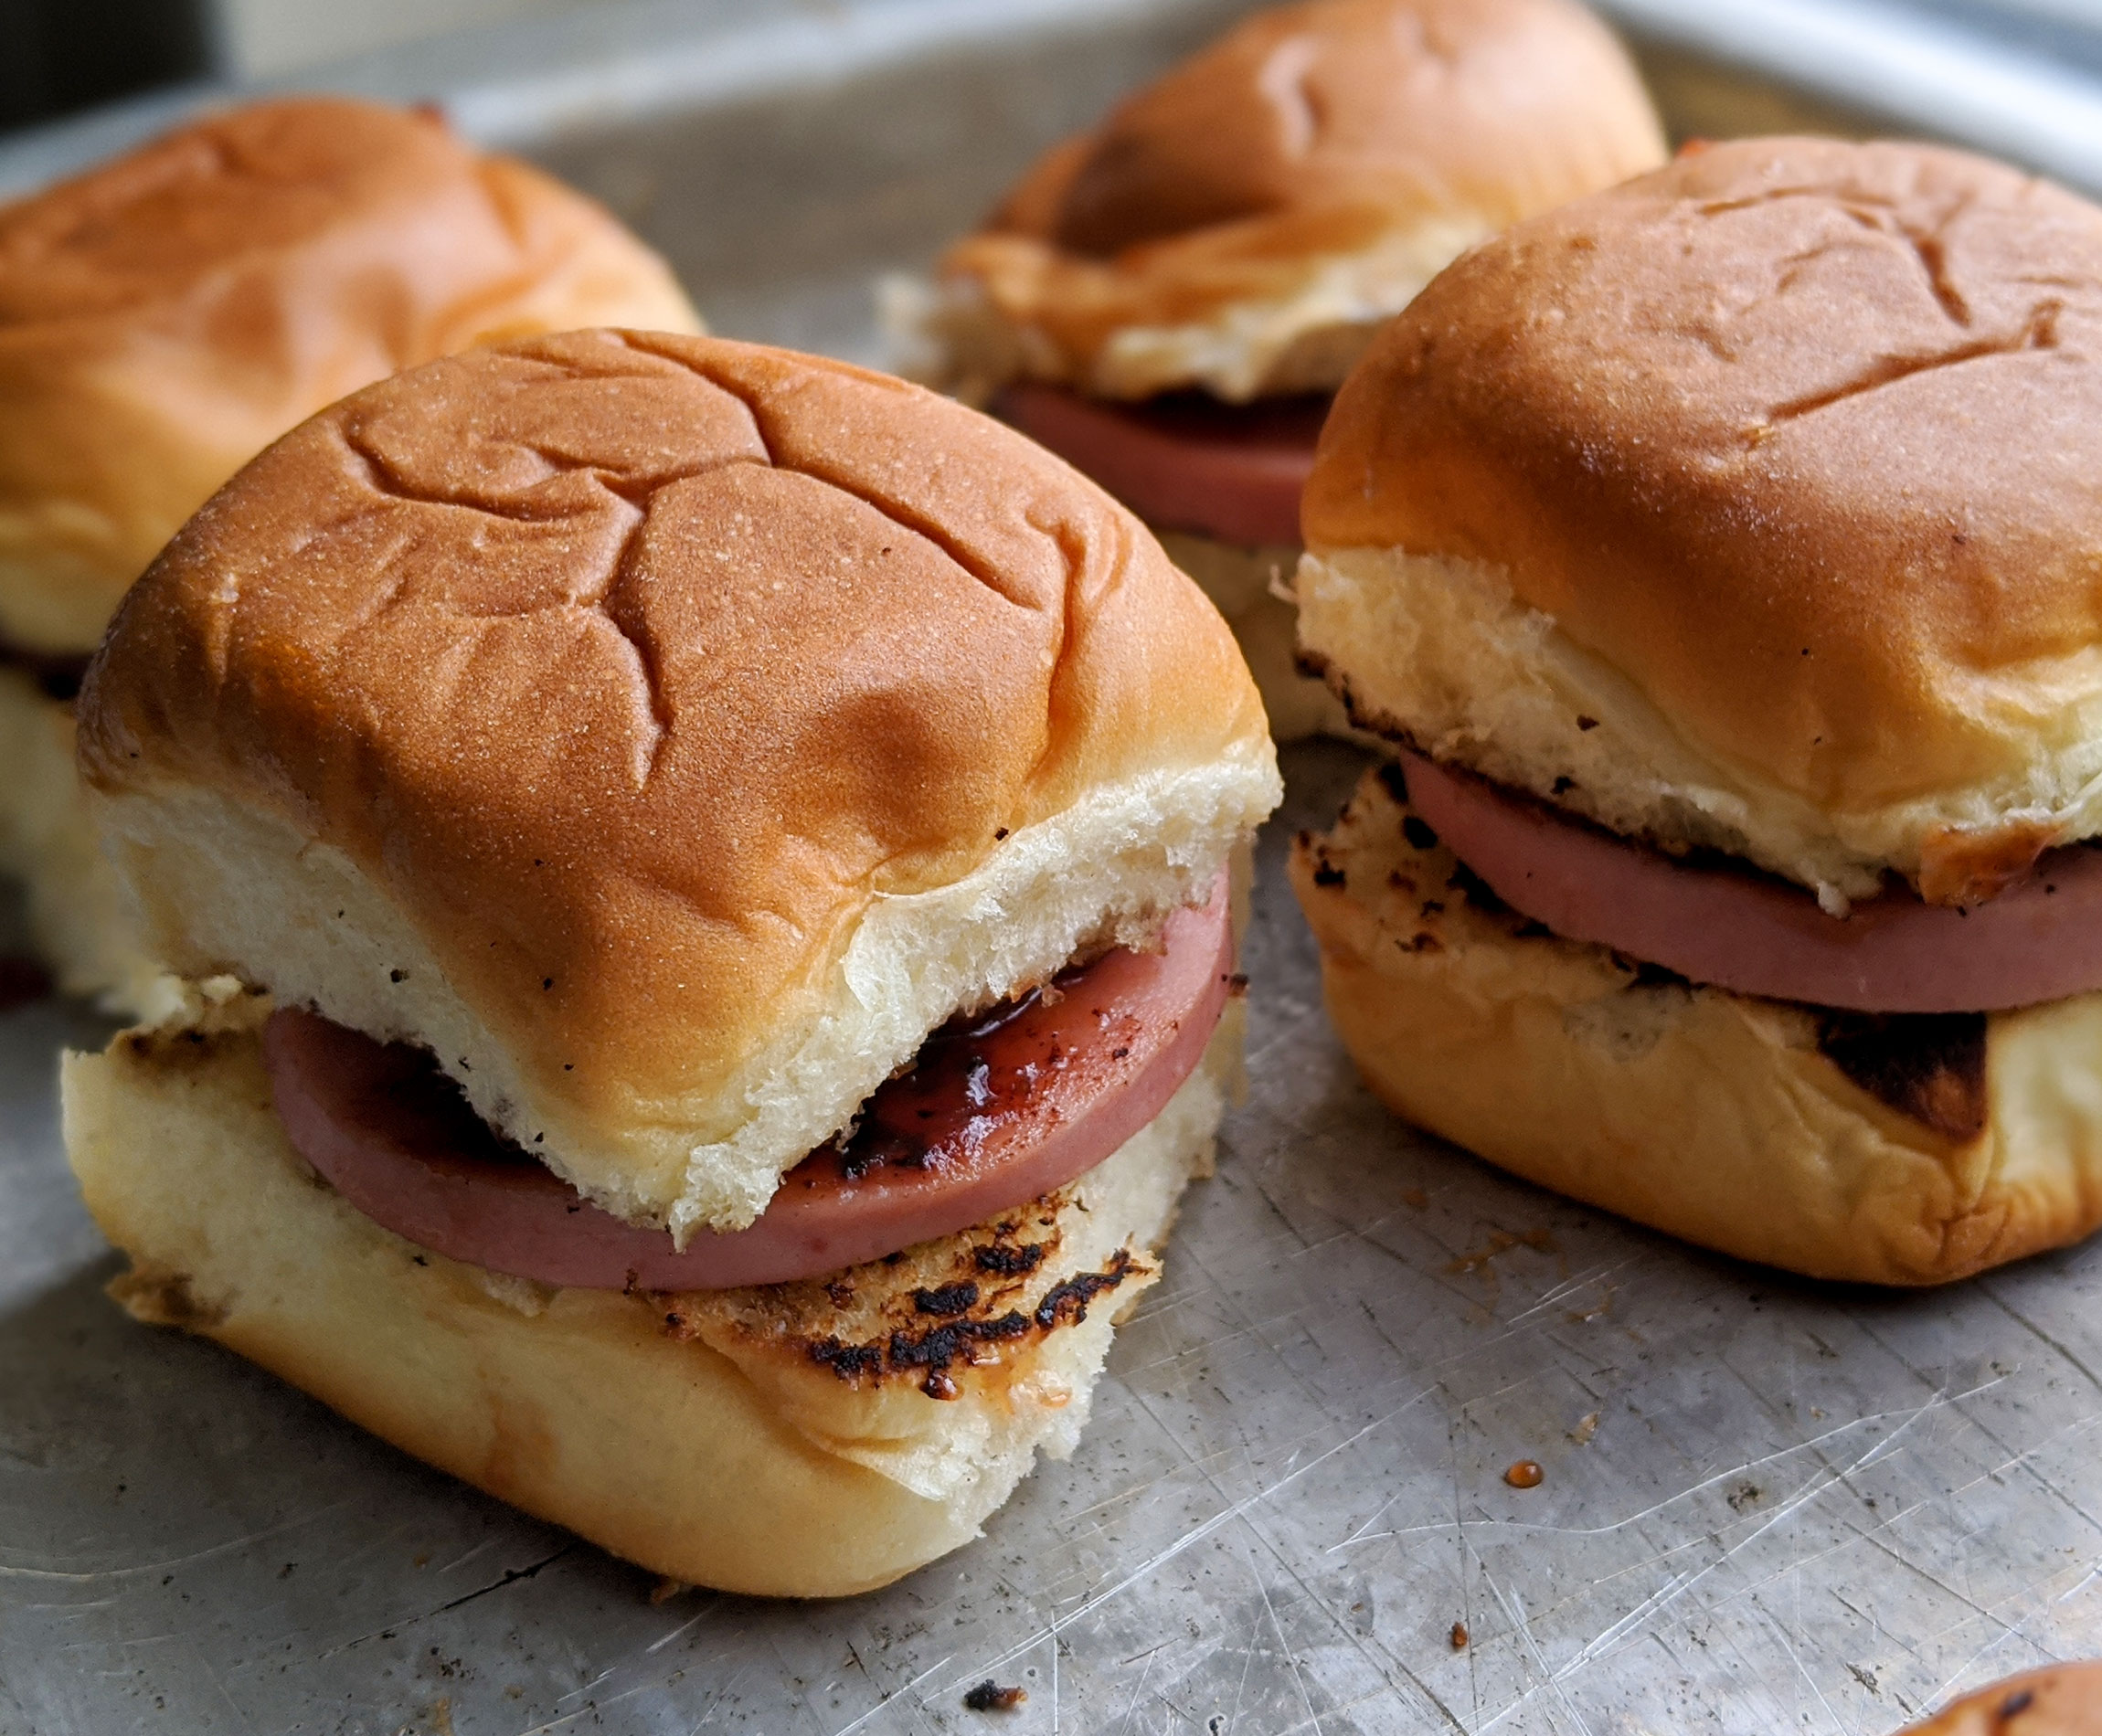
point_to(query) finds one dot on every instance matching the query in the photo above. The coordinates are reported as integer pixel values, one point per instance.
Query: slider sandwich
(162, 319)
(1169, 301)
(704, 873)
(1722, 553)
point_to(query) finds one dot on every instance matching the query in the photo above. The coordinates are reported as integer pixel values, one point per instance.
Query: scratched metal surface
(1767, 1505)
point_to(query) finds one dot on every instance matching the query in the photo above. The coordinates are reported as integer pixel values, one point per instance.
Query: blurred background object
(785, 154)
(59, 55)
(2019, 79)
(278, 38)
(2022, 77)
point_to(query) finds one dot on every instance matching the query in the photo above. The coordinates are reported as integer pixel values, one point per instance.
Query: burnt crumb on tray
(989, 1697)
(1929, 1066)
(934, 1351)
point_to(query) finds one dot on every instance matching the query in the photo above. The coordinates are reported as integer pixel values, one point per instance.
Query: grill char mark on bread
(869, 1333)
(1929, 1066)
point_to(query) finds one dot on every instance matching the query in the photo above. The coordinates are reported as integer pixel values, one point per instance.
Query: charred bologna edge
(999, 1109)
(1737, 929)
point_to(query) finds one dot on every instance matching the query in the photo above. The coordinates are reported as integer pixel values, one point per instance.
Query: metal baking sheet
(1767, 1505)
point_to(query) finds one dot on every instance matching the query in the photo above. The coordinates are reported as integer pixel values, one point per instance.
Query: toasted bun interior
(166, 317)
(1901, 1152)
(1756, 503)
(785, 1441)
(668, 734)
(1242, 222)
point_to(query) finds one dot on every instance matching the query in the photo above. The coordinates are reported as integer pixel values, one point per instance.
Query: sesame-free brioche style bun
(1720, 550)
(2063, 1699)
(166, 317)
(590, 779)
(1242, 224)
(1167, 301)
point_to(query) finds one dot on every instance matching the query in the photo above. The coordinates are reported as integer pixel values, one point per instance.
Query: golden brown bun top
(2064, 1701)
(1494, 108)
(1802, 437)
(635, 668)
(166, 317)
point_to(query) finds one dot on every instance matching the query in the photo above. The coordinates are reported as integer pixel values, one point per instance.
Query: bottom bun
(803, 1440)
(80, 919)
(2062, 1700)
(1238, 581)
(1902, 1150)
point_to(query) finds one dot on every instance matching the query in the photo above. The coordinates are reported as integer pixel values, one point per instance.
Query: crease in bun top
(166, 316)
(589, 780)
(1169, 299)
(1722, 551)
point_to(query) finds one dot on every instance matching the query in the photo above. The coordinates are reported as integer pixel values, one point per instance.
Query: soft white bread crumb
(1245, 583)
(1298, 338)
(711, 1436)
(1437, 649)
(229, 887)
